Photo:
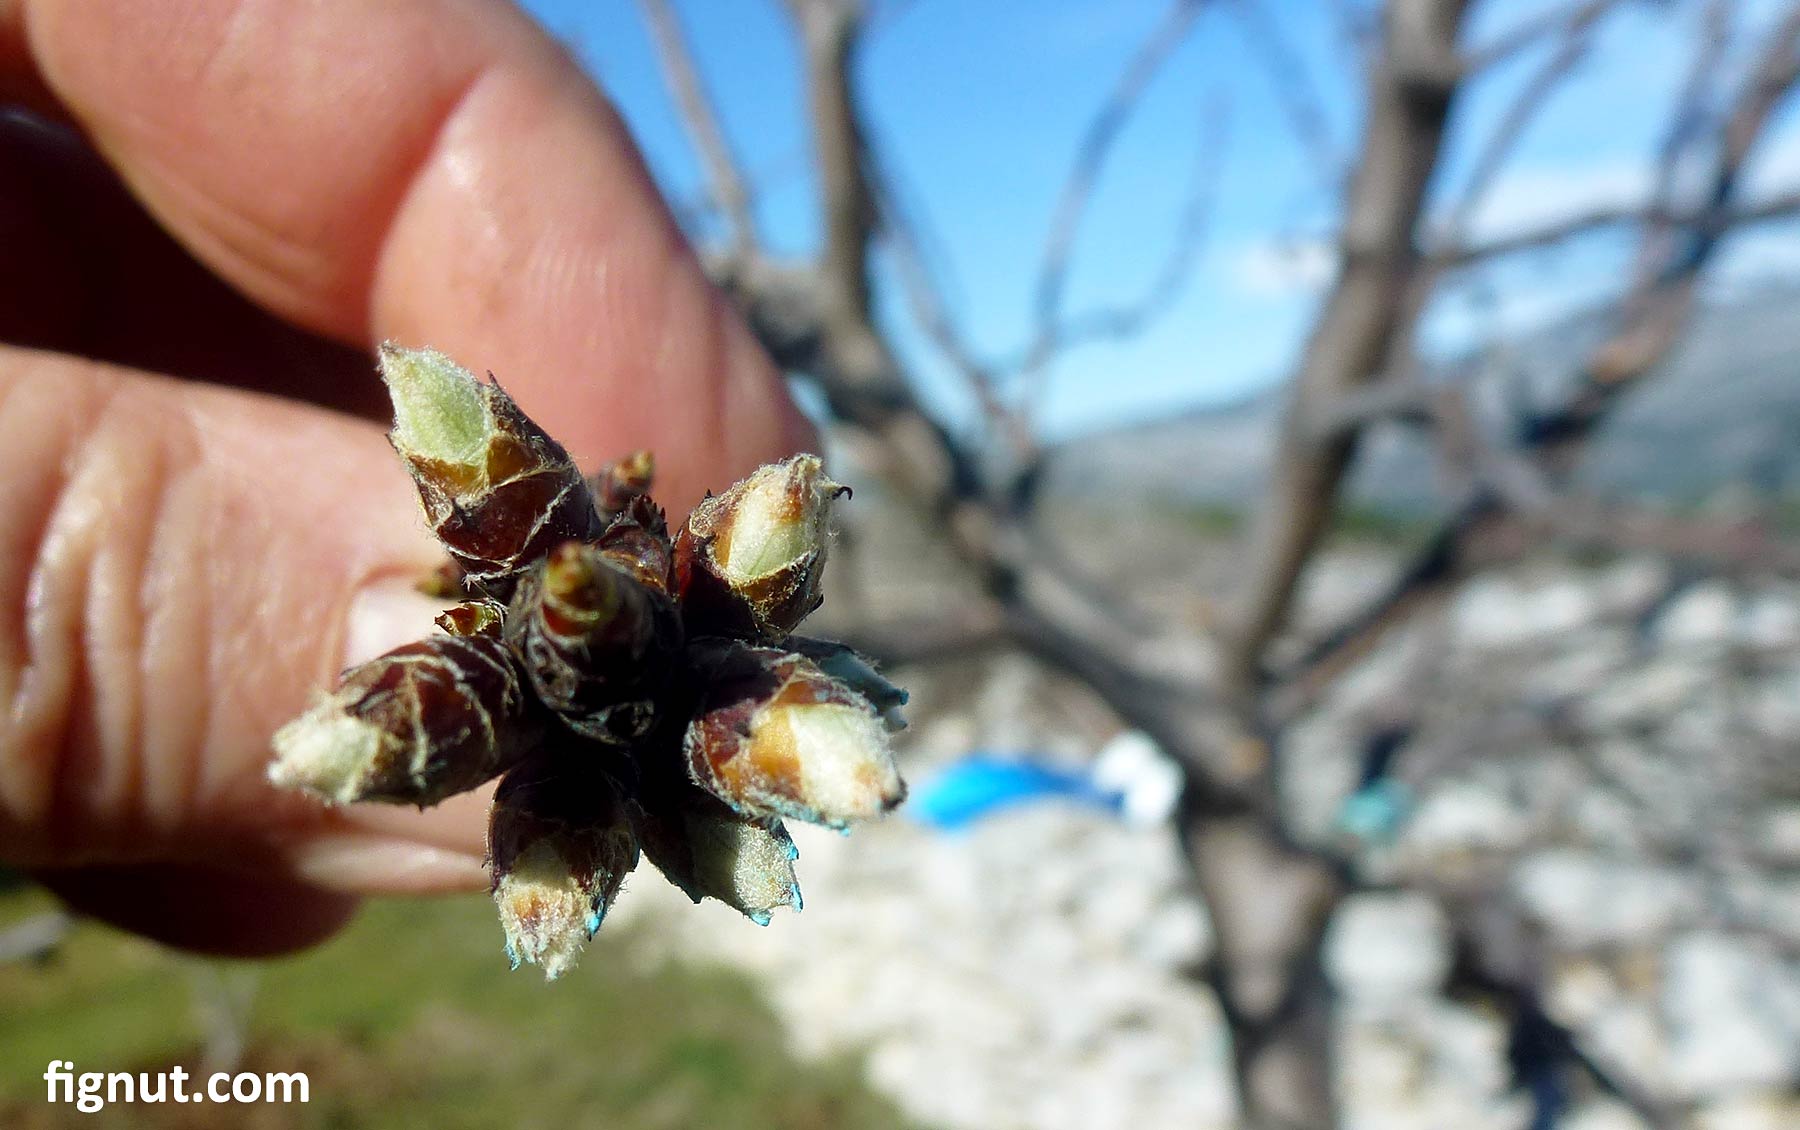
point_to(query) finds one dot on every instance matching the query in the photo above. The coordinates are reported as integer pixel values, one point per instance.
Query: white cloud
(1536, 195)
(1283, 268)
(1531, 197)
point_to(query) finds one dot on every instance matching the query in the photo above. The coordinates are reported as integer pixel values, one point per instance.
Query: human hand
(184, 561)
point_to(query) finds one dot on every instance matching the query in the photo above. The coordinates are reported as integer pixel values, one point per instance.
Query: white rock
(1648, 694)
(1383, 949)
(1769, 1110)
(1591, 900)
(1465, 815)
(1504, 611)
(1770, 620)
(1777, 837)
(1627, 585)
(1704, 616)
(1733, 1016)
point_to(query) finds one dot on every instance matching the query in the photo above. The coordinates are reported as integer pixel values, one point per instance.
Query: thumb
(183, 566)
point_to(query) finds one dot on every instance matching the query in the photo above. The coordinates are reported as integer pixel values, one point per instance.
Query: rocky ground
(1611, 747)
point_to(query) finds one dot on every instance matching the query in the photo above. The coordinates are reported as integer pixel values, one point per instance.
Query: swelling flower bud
(560, 847)
(421, 723)
(749, 562)
(497, 491)
(638, 541)
(776, 736)
(473, 618)
(617, 484)
(709, 851)
(595, 642)
(856, 671)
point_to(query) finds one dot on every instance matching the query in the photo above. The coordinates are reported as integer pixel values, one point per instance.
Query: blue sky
(978, 104)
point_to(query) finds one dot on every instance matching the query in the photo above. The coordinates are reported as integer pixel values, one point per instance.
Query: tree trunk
(1270, 904)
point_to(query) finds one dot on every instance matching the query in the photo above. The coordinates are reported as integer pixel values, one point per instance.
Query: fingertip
(204, 910)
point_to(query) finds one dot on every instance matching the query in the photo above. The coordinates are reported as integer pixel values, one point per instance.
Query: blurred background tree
(1428, 254)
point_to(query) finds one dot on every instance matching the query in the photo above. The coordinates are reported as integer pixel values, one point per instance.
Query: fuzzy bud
(497, 491)
(709, 851)
(421, 723)
(777, 736)
(749, 562)
(638, 541)
(617, 484)
(856, 671)
(595, 642)
(560, 846)
(473, 618)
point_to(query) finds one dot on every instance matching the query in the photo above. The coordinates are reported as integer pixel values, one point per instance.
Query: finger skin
(438, 172)
(178, 562)
(203, 909)
(89, 272)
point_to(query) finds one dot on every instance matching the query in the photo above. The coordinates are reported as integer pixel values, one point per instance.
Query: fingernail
(377, 865)
(385, 614)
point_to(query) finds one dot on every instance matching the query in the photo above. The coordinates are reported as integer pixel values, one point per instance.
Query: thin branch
(930, 641)
(902, 233)
(1423, 288)
(1291, 82)
(828, 333)
(722, 171)
(1776, 206)
(1520, 113)
(830, 32)
(1091, 154)
(1693, 113)
(1553, 23)
(1115, 323)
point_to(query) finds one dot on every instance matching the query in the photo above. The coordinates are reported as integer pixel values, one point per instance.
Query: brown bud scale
(749, 562)
(421, 723)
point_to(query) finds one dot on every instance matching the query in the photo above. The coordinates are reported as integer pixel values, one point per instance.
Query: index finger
(438, 172)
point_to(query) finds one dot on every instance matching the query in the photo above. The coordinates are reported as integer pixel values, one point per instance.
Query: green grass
(411, 1019)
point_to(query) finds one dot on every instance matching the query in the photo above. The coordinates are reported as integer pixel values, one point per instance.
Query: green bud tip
(780, 518)
(439, 409)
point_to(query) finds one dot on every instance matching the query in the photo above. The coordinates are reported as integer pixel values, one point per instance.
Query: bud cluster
(635, 690)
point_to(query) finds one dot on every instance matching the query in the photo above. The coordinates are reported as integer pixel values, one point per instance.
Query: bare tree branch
(1216, 710)
(723, 174)
(1552, 24)
(829, 32)
(1652, 319)
(1520, 113)
(1409, 101)
(1776, 206)
(1423, 287)
(1693, 114)
(1118, 322)
(1090, 156)
(1291, 81)
(1054, 331)
(832, 337)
